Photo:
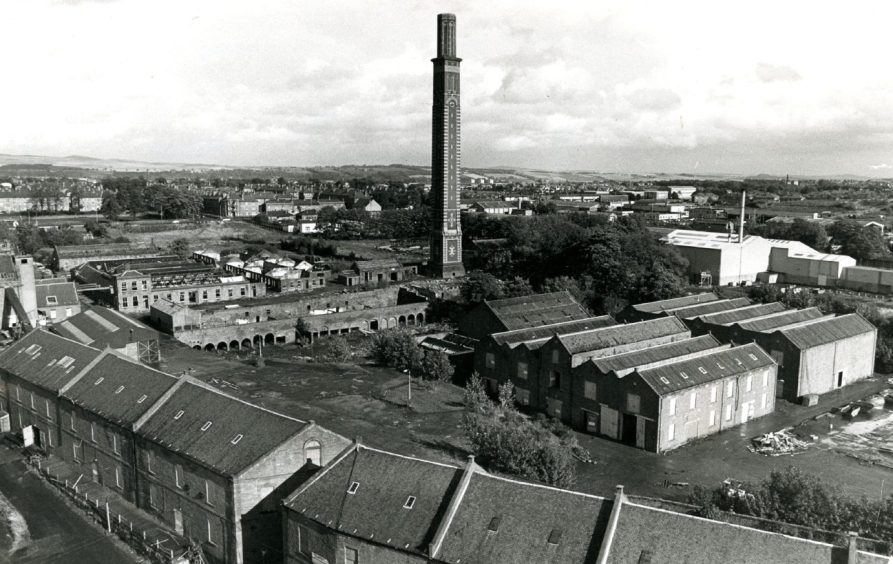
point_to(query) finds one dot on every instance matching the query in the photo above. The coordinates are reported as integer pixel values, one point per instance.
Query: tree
(397, 348)
(857, 241)
(335, 348)
(181, 248)
(433, 367)
(479, 286)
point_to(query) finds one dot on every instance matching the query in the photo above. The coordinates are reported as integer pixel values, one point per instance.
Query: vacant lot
(213, 234)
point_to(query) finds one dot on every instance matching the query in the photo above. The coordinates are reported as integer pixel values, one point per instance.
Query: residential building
(57, 300)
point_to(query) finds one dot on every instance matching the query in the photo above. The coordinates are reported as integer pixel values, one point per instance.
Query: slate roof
(64, 292)
(660, 305)
(742, 313)
(825, 331)
(548, 331)
(688, 312)
(376, 264)
(646, 534)
(529, 516)
(41, 367)
(536, 309)
(626, 361)
(774, 321)
(671, 378)
(385, 482)
(101, 327)
(622, 334)
(261, 430)
(119, 389)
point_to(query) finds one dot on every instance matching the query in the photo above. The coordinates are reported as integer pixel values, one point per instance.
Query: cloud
(880, 166)
(776, 73)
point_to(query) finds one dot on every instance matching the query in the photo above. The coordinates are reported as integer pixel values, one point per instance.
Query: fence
(136, 536)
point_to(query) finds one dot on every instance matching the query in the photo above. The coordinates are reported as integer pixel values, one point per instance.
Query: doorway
(590, 422)
(628, 429)
(840, 379)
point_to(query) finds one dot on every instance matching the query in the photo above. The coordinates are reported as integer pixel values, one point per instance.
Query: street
(59, 534)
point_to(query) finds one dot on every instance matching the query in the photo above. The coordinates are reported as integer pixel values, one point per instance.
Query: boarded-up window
(589, 390)
(490, 361)
(632, 403)
(778, 357)
(522, 370)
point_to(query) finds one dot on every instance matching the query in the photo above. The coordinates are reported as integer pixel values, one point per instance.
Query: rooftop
(772, 321)
(46, 360)
(823, 331)
(548, 331)
(742, 313)
(672, 303)
(607, 337)
(536, 309)
(718, 365)
(101, 327)
(688, 312)
(55, 293)
(622, 363)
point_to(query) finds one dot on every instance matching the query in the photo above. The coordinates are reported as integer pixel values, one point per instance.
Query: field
(213, 233)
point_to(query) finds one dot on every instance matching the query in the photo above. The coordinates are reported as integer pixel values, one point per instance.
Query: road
(59, 533)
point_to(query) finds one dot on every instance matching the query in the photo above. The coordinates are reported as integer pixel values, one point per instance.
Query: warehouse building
(101, 327)
(509, 314)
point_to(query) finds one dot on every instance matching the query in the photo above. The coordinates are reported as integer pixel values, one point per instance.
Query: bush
(397, 348)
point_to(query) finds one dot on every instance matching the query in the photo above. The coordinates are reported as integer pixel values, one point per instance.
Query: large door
(640, 432)
(628, 430)
(609, 421)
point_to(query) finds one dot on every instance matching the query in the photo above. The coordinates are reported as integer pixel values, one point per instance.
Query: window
(555, 379)
(217, 293)
(410, 501)
(92, 432)
(712, 420)
(671, 432)
(118, 476)
(490, 361)
(210, 533)
(242, 291)
(149, 462)
(18, 389)
(51, 300)
(672, 406)
(204, 294)
(68, 312)
(523, 396)
(115, 443)
(123, 286)
(133, 285)
(208, 499)
(730, 389)
(178, 476)
(728, 412)
(555, 357)
(351, 556)
(713, 394)
(589, 390)
(145, 285)
(693, 400)
(153, 496)
(50, 437)
(748, 383)
(764, 400)
(522, 370)
(76, 450)
(633, 403)
(182, 297)
(354, 486)
(765, 378)
(31, 397)
(73, 428)
(136, 301)
(49, 417)
(52, 314)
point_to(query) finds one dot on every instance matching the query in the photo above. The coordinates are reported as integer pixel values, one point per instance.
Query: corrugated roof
(46, 360)
(375, 510)
(622, 334)
(660, 305)
(548, 331)
(684, 374)
(535, 524)
(647, 534)
(537, 309)
(101, 327)
(774, 321)
(688, 312)
(825, 331)
(742, 313)
(64, 293)
(626, 361)
(256, 431)
(119, 389)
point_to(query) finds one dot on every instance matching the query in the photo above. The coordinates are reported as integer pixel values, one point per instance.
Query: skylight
(179, 414)
(683, 374)
(206, 426)
(555, 536)
(353, 488)
(142, 398)
(410, 501)
(119, 390)
(236, 439)
(51, 300)
(98, 381)
(494, 524)
(702, 370)
(664, 380)
(65, 361)
(33, 349)
(753, 356)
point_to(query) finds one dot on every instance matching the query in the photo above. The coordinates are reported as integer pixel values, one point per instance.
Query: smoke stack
(741, 223)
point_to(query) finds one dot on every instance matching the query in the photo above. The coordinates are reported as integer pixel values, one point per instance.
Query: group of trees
(852, 237)
(604, 264)
(398, 348)
(137, 196)
(793, 496)
(504, 440)
(389, 224)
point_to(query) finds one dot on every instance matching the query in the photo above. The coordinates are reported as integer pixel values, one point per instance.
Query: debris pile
(777, 444)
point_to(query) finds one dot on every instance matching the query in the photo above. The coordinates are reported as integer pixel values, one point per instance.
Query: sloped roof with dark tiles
(630, 360)
(825, 331)
(52, 365)
(119, 389)
(622, 334)
(256, 431)
(661, 305)
(547, 331)
(688, 312)
(536, 309)
(376, 264)
(774, 321)
(63, 291)
(743, 313)
(684, 374)
(533, 523)
(101, 327)
(376, 510)
(646, 534)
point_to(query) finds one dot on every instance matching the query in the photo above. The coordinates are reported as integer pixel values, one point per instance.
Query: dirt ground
(371, 403)
(213, 233)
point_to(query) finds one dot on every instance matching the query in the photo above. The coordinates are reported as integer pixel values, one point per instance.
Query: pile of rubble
(778, 443)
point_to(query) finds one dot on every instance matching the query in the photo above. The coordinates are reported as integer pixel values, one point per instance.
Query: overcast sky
(672, 86)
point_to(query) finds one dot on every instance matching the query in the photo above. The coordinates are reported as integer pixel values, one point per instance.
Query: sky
(790, 87)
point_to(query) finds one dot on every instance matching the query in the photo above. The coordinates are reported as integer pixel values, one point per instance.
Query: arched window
(313, 452)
